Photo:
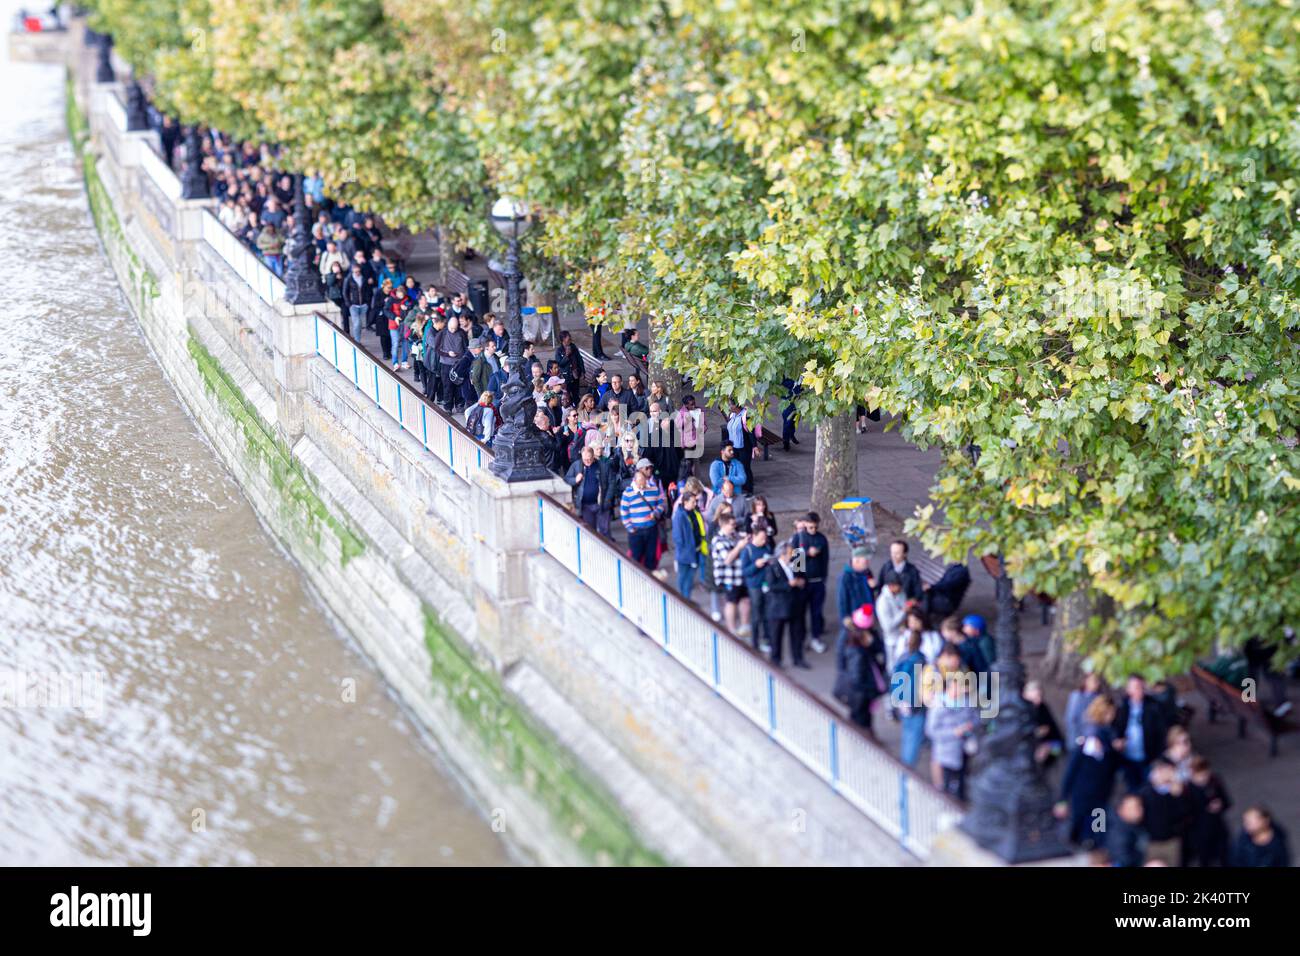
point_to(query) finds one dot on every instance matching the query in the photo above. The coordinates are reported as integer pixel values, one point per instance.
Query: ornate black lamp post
(137, 117)
(1011, 802)
(518, 450)
(194, 181)
(104, 71)
(302, 280)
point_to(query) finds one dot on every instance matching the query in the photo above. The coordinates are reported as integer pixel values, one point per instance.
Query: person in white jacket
(891, 614)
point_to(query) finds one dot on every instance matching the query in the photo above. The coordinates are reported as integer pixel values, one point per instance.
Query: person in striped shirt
(640, 509)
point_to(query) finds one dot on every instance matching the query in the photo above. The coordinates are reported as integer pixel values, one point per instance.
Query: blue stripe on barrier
(356, 369)
(903, 822)
(376, 371)
(618, 567)
(424, 426)
(336, 349)
(835, 754)
(577, 546)
(665, 599)
(771, 703)
(451, 450)
(541, 525)
(399, 407)
(717, 667)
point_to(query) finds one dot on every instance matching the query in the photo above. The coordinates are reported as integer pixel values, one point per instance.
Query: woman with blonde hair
(1090, 777)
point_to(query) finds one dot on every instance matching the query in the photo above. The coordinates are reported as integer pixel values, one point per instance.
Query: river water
(199, 714)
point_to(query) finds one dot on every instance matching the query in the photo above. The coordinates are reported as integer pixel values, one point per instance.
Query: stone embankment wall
(581, 739)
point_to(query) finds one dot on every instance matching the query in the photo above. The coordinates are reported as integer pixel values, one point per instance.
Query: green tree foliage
(1060, 231)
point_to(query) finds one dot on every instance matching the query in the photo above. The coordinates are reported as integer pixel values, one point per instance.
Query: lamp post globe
(518, 451)
(511, 218)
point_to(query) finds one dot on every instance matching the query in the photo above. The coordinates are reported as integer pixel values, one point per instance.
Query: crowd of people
(1132, 787)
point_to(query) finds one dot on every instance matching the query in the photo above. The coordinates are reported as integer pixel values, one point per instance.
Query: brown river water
(199, 713)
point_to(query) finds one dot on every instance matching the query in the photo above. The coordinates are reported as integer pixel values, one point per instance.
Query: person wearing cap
(859, 666)
(640, 509)
(481, 367)
(854, 589)
(972, 625)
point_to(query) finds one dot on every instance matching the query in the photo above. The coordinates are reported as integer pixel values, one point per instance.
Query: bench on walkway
(639, 366)
(1221, 696)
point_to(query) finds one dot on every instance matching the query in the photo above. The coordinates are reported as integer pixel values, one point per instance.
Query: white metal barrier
(434, 430)
(242, 259)
(115, 110)
(860, 770)
(163, 177)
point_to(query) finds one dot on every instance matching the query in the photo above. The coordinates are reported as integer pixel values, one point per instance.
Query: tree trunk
(449, 257)
(672, 380)
(835, 468)
(1061, 663)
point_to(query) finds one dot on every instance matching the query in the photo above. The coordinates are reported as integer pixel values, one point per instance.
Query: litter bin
(478, 297)
(857, 523)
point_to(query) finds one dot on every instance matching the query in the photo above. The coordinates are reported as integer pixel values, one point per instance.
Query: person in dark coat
(944, 596)
(905, 569)
(860, 666)
(854, 589)
(1089, 779)
(1126, 841)
(784, 606)
(356, 300)
(1207, 836)
(1261, 841)
(1166, 812)
(1047, 733)
(1140, 732)
(589, 477)
(468, 396)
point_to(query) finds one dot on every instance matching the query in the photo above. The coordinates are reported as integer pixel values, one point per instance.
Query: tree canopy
(1057, 237)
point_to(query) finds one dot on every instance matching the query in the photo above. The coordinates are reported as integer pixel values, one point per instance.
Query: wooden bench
(1221, 696)
(639, 366)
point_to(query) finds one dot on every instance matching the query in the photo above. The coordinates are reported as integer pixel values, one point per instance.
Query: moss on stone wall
(296, 489)
(140, 279)
(578, 804)
(580, 807)
(78, 128)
